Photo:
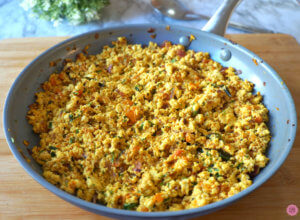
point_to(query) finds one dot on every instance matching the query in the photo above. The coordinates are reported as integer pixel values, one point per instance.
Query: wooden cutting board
(22, 197)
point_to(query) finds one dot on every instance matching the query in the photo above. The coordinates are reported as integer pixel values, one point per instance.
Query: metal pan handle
(219, 21)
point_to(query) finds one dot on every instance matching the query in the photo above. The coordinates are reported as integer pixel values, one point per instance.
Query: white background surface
(281, 16)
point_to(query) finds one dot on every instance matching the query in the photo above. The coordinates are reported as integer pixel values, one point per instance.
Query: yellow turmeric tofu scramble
(154, 128)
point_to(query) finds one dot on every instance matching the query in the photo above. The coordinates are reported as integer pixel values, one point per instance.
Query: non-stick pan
(276, 98)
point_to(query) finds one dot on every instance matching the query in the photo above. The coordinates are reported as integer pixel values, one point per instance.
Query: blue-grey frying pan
(275, 95)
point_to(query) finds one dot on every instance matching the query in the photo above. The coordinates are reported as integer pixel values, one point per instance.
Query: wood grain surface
(23, 198)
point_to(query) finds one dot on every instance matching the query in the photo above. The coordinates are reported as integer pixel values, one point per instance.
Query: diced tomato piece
(193, 86)
(80, 92)
(128, 102)
(144, 209)
(258, 119)
(158, 198)
(205, 60)
(61, 76)
(131, 114)
(178, 152)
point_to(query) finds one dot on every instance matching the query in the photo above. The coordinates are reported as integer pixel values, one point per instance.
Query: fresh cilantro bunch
(75, 11)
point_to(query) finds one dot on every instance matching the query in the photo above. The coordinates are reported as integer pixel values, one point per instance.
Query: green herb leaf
(199, 150)
(227, 91)
(194, 113)
(166, 200)
(173, 60)
(216, 86)
(53, 154)
(52, 148)
(50, 125)
(211, 169)
(217, 175)
(71, 117)
(113, 157)
(130, 206)
(125, 119)
(138, 88)
(72, 139)
(224, 155)
(141, 126)
(240, 165)
(75, 11)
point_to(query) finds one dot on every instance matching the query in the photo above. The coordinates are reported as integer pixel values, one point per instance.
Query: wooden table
(22, 197)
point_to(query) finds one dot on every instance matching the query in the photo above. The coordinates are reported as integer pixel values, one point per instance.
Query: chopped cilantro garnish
(113, 157)
(199, 150)
(52, 148)
(130, 206)
(211, 169)
(218, 175)
(224, 155)
(72, 139)
(166, 200)
(194, 113)
(141, 126)
(227, 91)
(151, 123)
(138, 88)
(240, 165)
(50, 125)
